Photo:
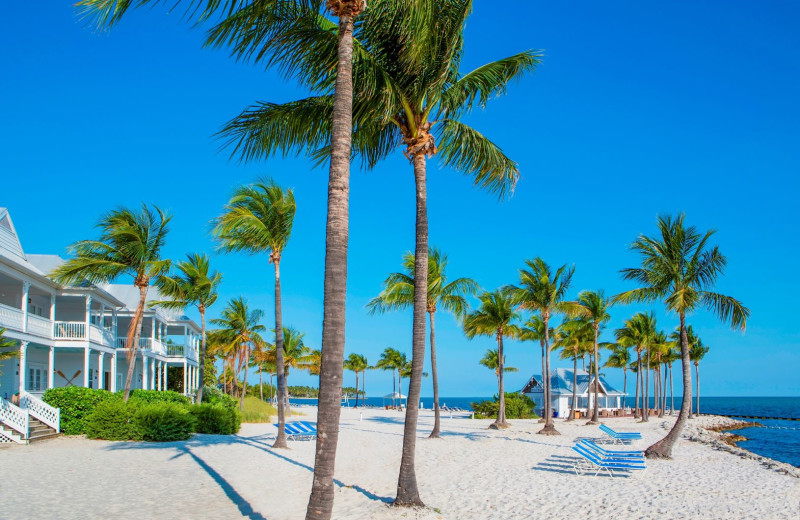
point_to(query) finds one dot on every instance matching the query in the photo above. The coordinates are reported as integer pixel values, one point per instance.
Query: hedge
(114, 420)
(164, 422)
(518, 406)
(76, 404)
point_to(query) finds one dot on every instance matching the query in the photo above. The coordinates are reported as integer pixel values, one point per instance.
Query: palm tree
(296, 355)
(258, 219)
(680, 268)
(673, 355)
(409, 91)
(543, 291)
(239, 328)
(398, 293)
(491, 361)
(697, 352)
(196, 285)
(534, 331)
(496, 317)
(574, 338)
(620, 358)
(638, 332)
(8, 348)
(595, 309)
(391, 359)
(130, 244)
(358, 364)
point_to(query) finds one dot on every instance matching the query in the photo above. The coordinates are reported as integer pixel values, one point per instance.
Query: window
(35, 380)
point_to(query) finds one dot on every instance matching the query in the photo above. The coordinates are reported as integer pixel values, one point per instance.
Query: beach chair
(299, 430)
(620, 437)
(591, 446)
(591, 461)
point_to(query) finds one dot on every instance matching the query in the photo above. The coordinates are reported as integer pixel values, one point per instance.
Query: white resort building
(76, 336)
(612, 401)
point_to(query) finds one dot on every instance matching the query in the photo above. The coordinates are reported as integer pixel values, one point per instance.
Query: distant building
(611, 400)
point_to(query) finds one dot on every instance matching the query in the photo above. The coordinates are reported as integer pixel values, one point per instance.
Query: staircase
(32, 421)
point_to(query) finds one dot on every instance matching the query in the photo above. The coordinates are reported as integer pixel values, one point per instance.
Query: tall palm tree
(620, 358)
(195, 285)
(8, 348)
(534, 331)
(543, 291)
(595, 309)
(491, 361)
(314, 361)
(408, 90)
(258, 219)
(574, 338)
(638, 332)
(296, 355)
(356, 363)
(496, 317)
(391, 359)
(130, 244)
(240, 328)
(398, 293)
(697, 352)
(680, 268)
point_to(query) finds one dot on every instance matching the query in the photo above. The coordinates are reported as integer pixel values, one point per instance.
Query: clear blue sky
(639, 108)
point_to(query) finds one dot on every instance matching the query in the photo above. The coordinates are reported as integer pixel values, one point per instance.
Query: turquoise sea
(777, 439)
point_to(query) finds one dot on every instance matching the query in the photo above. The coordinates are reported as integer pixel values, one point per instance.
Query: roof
(561, 382)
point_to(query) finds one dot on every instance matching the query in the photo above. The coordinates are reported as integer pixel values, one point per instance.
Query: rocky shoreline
(713, 431)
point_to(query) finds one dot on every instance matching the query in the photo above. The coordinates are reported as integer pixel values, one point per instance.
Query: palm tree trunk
(624, 383)
(549, 427)
(500, 423)
(638, 384)
(436, 419)
(356, 388)
(407, 490)
(595, 410)
(646, 392)
(134, 333)
(545, 397)
(201, 371)
(260, 384)
(364, 386)
(697, 386)
(574, 388)
(671, 391)
(280, 440)
(663, 448)
(246, 355)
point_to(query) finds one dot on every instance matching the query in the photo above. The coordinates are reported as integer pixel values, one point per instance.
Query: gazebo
(394, 396)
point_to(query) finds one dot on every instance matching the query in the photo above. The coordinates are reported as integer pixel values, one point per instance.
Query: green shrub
(164, 422)
(76, 404)
(213, 395)
(114, 420)
(213, 418)
(518, 406)
(159, 396)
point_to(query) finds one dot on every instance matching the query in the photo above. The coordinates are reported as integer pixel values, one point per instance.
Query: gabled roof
(561, 382)
(9, 240)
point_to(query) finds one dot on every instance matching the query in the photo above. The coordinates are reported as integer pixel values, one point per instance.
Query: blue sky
(639, 109)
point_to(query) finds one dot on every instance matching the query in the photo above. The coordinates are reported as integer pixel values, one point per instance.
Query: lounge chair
(620, 437)
(591, 461)
(299, 430)
(636, 455)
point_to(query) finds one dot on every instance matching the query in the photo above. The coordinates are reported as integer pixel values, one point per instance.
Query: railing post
(114, 371)
(88, 320)
(26, 287)
(53, 315)
(51, 367)
(23, 368)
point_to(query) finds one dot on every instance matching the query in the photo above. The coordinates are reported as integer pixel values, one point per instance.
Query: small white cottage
(612, 401)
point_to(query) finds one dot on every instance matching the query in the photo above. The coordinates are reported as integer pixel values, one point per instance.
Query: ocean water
(777, 439)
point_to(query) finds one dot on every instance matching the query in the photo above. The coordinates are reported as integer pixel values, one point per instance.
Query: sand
(471, 473)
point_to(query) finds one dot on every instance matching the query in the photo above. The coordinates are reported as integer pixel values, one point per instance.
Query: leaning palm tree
(356, 363)
(130, 244)
(491, 361)
(620, 358)
(391, 359)
(196, 285)
(638, 332)
(680, 268)
(409, 90)
(398, 293)
(697, 352)
(239, 328)
(595, 309)
(543, 291)
(8, 348)
(258, 219)
(496, 317)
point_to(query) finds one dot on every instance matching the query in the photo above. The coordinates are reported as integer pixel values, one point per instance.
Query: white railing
(144, 343)
(175, 350)
(101, 336)
(70, 330)
(40, 326)
(10, 317)
(40, 410)
(14, 417)
(158, 347)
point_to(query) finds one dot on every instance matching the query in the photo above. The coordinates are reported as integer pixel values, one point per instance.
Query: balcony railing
(10, 317)
(144, 343)
(70, 330)
(102, 336)
(40, 326)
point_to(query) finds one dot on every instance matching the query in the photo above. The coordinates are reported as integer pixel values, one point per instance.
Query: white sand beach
(471, 473)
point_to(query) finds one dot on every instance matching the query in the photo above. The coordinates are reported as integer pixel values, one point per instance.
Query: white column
(185, 379)
(51, 367)
(114, 369)
(153, 328)
(114, 330)
(53, 314)
(166, 375)
(23, 364)
(86, 363)
(144, 371)
(153, 374)
(101, 370)
(26, 287)
(88, 316)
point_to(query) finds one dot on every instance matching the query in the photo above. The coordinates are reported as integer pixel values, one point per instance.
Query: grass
(257, 411)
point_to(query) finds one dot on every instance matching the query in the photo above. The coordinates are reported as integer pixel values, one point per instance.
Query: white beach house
(77, 335)
(612, 401)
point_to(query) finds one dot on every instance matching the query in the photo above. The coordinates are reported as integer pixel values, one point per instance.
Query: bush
(213, 395)
(213, 418)
(257, 411)
(76, 404)
(164, 422)
(114, 420)
(159, 396)
(518, 406)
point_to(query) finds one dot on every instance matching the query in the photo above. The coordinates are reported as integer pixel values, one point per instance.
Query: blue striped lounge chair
(620, 437)
(590, 461)
(299, 430)
(602, 452)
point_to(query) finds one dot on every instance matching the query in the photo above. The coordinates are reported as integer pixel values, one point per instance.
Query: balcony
(76, 330)
(10, 317)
